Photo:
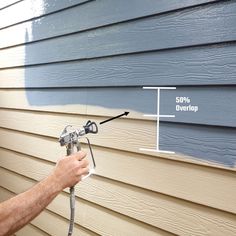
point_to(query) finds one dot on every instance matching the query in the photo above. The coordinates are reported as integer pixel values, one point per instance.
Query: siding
(83, 59)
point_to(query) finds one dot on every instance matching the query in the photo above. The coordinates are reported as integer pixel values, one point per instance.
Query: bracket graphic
(158, 119)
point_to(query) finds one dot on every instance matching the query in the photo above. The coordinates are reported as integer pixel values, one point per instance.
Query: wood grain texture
(87, 16)
(212, 222)
(200, 142)
(208, 65)
(111, 135)
(97, 218)
(56, 225)
(30, 230)
(112, 101)
(32, 9)
(206, 186)
(204, 25)
(214, 145)
(5, 194)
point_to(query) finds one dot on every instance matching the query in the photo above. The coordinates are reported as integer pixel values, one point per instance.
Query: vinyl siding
(77, 60)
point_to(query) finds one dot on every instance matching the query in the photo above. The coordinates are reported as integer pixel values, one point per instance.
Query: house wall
(64, 62)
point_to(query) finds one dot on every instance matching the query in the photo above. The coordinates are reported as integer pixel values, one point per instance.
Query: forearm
(21, 209)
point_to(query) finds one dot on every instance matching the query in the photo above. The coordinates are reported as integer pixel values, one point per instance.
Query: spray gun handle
(71, 139)
(70, 150)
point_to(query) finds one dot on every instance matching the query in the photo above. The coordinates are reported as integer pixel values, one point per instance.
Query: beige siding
(205, 185)
(135, 202)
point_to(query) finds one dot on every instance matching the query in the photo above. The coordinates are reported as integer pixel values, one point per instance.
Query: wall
(64, 62)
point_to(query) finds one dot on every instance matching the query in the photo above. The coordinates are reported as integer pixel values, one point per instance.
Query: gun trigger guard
(92, 170)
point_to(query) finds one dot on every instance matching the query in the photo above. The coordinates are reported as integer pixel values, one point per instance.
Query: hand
(70, 169)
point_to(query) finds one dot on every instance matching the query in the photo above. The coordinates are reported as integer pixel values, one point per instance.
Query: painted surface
(213, 104)
(78, 60)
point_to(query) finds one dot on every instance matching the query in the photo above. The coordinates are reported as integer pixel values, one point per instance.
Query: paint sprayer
(70, 137)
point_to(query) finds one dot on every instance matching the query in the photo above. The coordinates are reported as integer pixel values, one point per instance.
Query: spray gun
(70, 137)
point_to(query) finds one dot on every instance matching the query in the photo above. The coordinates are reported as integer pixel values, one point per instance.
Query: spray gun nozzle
(91, 127)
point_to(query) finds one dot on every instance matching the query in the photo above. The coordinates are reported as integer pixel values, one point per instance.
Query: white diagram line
(158, 120)
(159, 87)
(156, 150)
(153, 115)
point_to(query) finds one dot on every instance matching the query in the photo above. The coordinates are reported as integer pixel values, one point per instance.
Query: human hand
(70, 169)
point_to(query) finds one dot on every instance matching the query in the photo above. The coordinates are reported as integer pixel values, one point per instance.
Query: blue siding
(96, 14)
(167, 31)
(204, 65)
(213, 144)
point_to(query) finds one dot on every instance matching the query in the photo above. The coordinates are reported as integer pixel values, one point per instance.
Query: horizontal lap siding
(87, 210)
(102, 101)
(161, 210)
(93, 15)
(89, 59)
(33, 9)
(8, 3)
(206, 65)
(172, 136)
(172, 30)
(165, 176)
(191, 66)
